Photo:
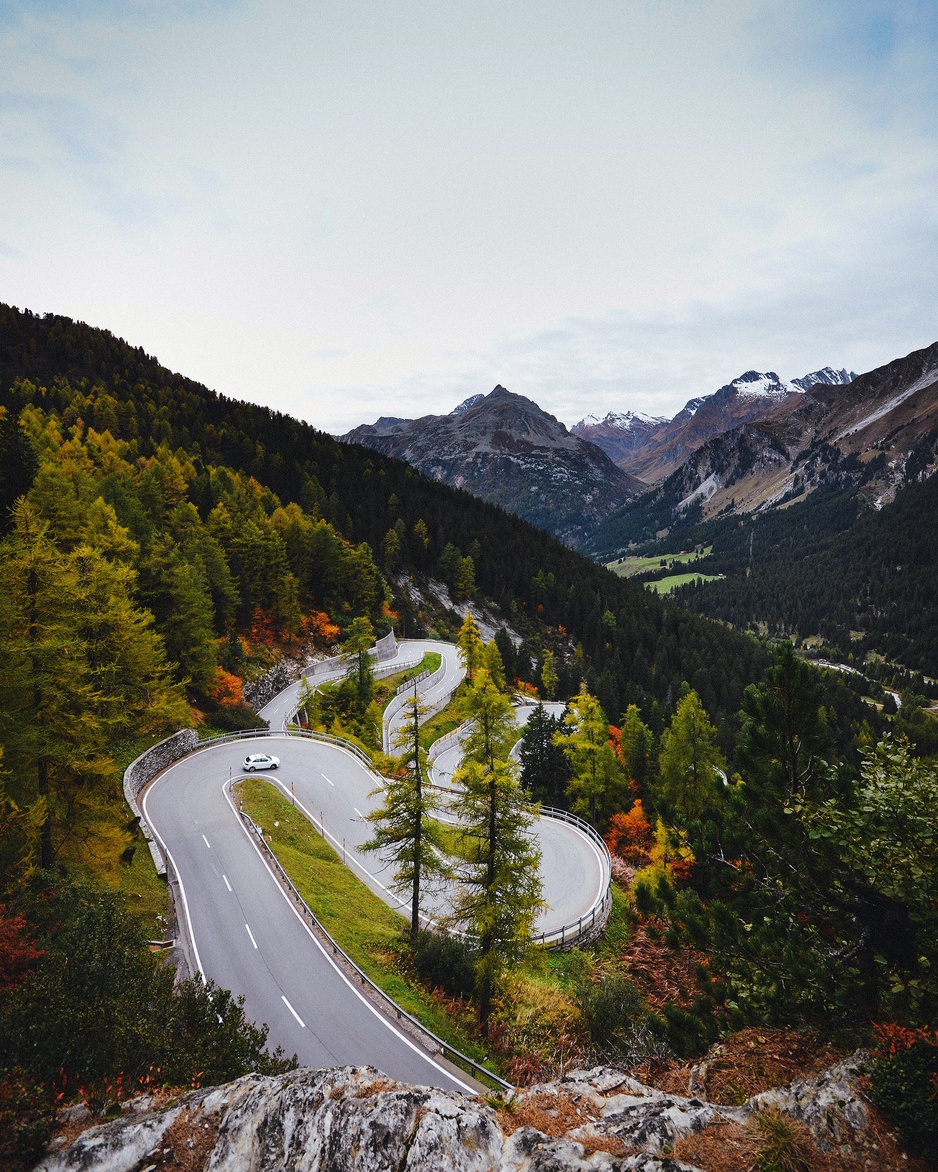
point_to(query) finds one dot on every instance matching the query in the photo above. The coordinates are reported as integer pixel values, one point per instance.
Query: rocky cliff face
(356, 1120)
(652, 449)
(505, 449)
(871, 433)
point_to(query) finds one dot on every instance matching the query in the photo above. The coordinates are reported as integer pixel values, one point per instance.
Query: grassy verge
(386, 687)
(445, 720)
(364, 926)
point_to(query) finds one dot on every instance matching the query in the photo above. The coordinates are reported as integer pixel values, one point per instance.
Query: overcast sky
(363, 207)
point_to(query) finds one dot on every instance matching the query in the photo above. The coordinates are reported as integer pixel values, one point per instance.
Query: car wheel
(273, 766)
(250, 769)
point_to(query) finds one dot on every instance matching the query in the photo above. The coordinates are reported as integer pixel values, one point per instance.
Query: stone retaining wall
(145, 768)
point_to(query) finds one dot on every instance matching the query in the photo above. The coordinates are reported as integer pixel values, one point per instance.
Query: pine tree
(637, 743)
(470, 645)
(596, 779)
(18, 466)
(499, 895)
(689, 759)
(48, 705)
(545, 770)
(355, 648)
(549, 678)
(406, 834)
(492, 662)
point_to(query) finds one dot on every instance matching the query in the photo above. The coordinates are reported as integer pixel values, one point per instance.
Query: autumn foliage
(17, 955)
(226, 689)
(630, 835)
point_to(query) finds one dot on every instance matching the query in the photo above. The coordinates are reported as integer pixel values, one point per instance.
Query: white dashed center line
(227, 884)
(206, 841)
(251, 934)
(332, 783)
(358, 812)
(293, 1011)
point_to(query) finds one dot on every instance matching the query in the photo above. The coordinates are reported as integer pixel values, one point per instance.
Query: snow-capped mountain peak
(624, 420)
(828, 376)
(468, 404)
(758, 385)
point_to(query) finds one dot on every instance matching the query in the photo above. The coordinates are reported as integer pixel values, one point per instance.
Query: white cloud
(348, 210)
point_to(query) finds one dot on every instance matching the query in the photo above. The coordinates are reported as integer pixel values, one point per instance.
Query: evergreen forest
(771, 824)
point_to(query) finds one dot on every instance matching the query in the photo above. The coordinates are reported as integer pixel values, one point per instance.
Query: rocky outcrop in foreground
(356, 1120)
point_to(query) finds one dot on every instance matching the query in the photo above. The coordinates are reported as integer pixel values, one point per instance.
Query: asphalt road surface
(246, 935)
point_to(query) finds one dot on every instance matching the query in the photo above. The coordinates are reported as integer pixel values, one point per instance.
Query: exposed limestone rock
(357, 1120)
(829, 1106)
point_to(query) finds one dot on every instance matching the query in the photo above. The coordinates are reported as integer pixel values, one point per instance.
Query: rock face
(652, 449)
(505, 449)
(356, 1120)
(619, 434)
(872, 433)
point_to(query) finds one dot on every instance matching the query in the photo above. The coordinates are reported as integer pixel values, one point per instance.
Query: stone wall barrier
(144, 769)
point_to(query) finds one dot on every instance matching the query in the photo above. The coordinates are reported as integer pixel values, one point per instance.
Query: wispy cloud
(347, 210)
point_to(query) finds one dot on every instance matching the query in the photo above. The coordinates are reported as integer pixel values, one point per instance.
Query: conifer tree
(596, 776)
(545, 770)
(499, 895)
(637, 742)
(492, 662)
(470, 645)
(689, 759)
(549, 678)
(355, 648)
(48, 720)
(406, 833)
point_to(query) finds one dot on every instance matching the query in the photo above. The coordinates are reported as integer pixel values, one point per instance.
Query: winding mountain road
(245, 933)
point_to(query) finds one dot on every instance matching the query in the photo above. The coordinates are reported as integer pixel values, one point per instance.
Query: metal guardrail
(401, 1014)
(248, 733)
(559, 937)
(556, 937)
(399, 701)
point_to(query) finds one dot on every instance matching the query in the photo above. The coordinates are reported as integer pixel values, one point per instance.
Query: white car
(260, 761)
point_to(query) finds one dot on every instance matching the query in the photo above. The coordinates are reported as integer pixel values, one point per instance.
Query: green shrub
(610, 1008)
(446, 962)
(904, 1086)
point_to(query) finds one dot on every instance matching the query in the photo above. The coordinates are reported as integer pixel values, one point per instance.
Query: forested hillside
(285, 523)
(862, 580)
(161, 544)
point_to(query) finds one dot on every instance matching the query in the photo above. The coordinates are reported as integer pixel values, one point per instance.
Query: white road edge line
(293, 1011)
(251, 934)
(182, 890)
(227, 884)
(418, 1050)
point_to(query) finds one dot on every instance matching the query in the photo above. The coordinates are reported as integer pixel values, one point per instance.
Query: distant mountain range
(504, 448)
(871, 433)
(652, 449)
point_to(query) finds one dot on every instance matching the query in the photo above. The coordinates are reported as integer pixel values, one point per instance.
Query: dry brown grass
(552, 1114)
(664, 976)
(748, 1062)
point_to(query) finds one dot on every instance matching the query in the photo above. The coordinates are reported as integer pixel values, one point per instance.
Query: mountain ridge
(505, 449)
(859, 435)
(653, 452)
